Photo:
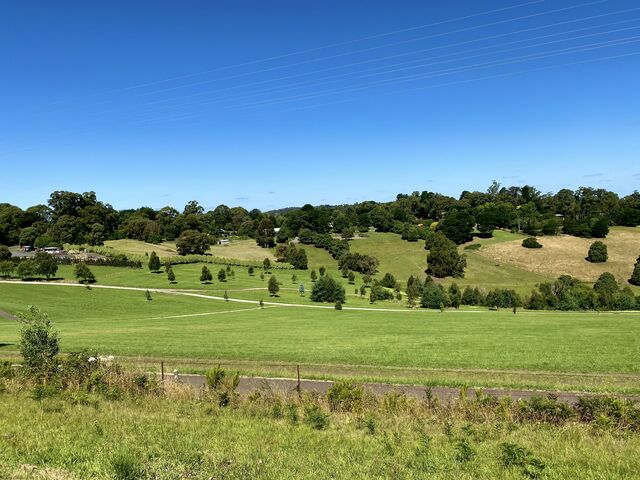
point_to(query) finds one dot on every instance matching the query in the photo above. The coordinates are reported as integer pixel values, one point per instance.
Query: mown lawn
(125, 323)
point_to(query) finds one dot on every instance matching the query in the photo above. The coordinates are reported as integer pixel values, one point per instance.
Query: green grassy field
(547, 349)
(173, 437)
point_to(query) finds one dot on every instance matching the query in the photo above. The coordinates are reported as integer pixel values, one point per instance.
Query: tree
(413, 290)
(273, 286)
(5, 253)
(250, 270)
(363, 290)
(170, 275)
(326, 289)
(338, 305)
(607, 288)
(226, 296)
(205, 275)
(84, 274)
(366, 279)
(6, 268)
(322, 271)
(388, 281)
(600, 228)
(457, 226)
(455, 296)
(45, 264)
(301, 289)
(193, 242)
(351, 278)
(147, 295)
(344, 271)
(597, 252)
(39, 343)
(314, 276)
(222, 275)
(266, 264)
(294, 278)
(265, 233)
(434, 296)
(27, 269)
(154, 262)
(444, 260)
(635, 276)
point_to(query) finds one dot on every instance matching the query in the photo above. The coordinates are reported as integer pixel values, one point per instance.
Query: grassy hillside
(236, 249)
(480, 342)
(564, 254)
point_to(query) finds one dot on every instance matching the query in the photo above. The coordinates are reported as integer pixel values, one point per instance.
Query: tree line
(80, 218)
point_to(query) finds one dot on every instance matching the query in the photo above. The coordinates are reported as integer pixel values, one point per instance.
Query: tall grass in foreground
(112, 424)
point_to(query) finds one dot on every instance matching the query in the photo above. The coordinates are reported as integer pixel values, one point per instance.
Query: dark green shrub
(513, 455)
(531, 242)
(597, 252)
(315, 417)
(545, 409)
(464, 451)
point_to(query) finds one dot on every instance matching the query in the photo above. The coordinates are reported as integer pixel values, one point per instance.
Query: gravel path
(444, 394)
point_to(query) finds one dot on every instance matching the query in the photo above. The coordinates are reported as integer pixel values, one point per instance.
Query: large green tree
(444, 260)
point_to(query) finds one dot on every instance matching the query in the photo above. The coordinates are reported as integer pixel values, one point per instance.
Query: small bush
(597, 252)
(513, 455)
(531, 242)
(345, 397)
(545, 409)
(315, 417)
(464, 451)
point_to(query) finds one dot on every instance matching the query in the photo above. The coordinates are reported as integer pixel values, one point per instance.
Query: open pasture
(438, 346)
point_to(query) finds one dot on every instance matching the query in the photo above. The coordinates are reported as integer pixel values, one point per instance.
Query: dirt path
(8, 316)
(444, 394)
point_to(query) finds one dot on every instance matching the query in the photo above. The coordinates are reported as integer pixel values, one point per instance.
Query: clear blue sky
(272, 104)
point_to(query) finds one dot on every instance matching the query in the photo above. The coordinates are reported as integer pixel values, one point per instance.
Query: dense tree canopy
(79, 218)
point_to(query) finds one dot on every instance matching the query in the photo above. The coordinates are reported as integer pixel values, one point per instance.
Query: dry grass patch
(565, 254)
(242, 250)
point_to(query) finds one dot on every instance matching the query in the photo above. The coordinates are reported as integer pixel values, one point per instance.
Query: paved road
(445, 394)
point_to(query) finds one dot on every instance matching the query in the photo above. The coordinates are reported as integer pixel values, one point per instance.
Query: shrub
(345, 397)
(513, 455)
(531, 242)
(464, 451)
(315, 417)
(635, 276)
(39, 343)
(545, 409)
(338, 305)
(597, 252)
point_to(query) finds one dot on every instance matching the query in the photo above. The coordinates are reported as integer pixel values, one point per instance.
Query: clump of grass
(126, 466)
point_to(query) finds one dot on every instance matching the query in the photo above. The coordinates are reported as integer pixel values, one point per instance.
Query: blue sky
(280, 103)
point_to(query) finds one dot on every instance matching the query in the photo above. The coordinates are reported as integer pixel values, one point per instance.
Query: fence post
(298, 388)
(162, 374)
